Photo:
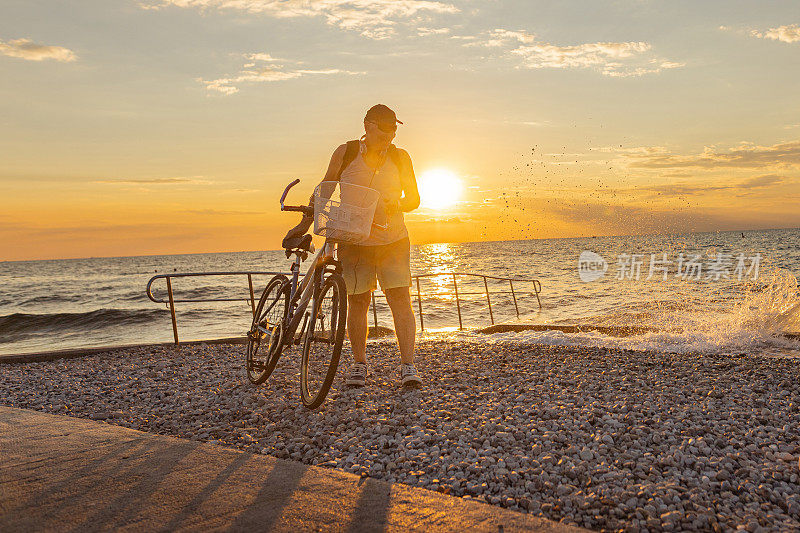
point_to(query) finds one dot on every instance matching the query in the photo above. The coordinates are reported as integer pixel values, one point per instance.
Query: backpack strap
(353, 147)
(350, 153)
(394, 155)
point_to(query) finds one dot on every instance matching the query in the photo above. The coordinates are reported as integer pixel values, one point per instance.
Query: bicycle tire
(322, 346)
(270, 314)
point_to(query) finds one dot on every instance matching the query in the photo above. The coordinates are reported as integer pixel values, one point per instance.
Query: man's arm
(336, 162)
(408, 181)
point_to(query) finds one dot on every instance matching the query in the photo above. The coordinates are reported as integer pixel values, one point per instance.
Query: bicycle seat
(302, 243)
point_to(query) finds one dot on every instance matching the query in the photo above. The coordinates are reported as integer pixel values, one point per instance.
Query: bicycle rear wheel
(265, 338)
(322, 344)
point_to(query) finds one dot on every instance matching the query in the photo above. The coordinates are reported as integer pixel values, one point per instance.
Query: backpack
(352, 151)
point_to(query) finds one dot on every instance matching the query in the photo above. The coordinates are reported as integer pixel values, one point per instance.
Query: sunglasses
(385, 128)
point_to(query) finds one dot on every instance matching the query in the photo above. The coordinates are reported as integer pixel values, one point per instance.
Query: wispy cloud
(372, 18)
(221, 212)
(423, 32)
(156, 181)
(786, 34)
(764, 181)
(273, 70)
(261, 56)
(27, 49)
(746, 155)
(616, 59)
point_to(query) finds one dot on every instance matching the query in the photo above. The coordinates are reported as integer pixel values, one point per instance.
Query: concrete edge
(36, 357)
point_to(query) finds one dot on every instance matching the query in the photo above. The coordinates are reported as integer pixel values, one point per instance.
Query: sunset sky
(172, 126)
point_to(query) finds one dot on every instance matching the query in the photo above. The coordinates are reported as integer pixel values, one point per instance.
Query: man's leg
(357, 307)
(405, 325)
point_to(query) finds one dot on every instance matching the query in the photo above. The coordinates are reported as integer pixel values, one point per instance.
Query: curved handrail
(197, 274)
(431, 274)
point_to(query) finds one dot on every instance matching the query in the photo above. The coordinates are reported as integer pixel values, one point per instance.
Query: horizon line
(421, 244)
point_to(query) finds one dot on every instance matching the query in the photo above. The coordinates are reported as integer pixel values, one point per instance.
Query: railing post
(511, 283)
(488, 300)
(172, 311)
(536, 288)
(374, 312)
(252, 294)
(419, 304)
(458, 302)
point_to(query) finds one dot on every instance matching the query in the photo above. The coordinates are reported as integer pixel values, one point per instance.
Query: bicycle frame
(303, 291)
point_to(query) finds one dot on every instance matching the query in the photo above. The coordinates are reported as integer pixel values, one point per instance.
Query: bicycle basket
(343, 211)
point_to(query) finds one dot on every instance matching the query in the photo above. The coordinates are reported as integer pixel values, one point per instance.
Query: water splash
(773, 308)
(757, 318)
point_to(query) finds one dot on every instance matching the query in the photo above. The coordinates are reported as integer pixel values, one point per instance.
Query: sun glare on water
(439, 188)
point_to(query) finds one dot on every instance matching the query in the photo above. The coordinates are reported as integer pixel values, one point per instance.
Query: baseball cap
(382, 115)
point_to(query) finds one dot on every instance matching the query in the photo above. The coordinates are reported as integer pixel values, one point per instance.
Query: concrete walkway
(66, 474)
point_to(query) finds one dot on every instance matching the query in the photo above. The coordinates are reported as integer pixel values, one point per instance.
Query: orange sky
(172, 127)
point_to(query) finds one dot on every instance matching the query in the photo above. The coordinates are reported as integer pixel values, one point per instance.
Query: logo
(591, 266)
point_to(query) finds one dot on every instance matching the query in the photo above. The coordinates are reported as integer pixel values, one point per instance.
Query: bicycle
(284, 307)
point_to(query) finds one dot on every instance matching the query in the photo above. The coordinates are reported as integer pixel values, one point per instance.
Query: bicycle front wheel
(265, 338)
(322, 344)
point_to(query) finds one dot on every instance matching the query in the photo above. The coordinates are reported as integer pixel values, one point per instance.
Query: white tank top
(385, 180)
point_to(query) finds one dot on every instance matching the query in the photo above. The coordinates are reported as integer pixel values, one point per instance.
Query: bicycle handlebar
(306, 210)
(286, 191)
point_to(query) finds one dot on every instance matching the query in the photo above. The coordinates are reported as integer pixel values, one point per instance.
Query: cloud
(260, 56)
(786, 34)
(27, 49)
(251, 72)
(372, 18)
(746, 155)
(646, 150)
(678, 190)
(218, 212)
(155, 181)
(615, 59)
(757, 182)
(423, 32)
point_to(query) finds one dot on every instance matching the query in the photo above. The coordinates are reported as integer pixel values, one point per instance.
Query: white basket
(343, 211)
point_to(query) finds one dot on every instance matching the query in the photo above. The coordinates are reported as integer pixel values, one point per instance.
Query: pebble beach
(610, 440)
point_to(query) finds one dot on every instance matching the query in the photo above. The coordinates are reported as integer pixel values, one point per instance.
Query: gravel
(605, 439)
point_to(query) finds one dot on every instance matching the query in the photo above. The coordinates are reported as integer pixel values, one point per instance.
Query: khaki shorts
(362, 266)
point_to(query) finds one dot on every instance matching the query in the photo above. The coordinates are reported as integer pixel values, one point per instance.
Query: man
(374, 162)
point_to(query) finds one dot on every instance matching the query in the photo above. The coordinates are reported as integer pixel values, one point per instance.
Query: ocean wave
(15, 326)
(51, 299)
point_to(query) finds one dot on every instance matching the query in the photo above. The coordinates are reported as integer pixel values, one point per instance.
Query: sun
(439, 188)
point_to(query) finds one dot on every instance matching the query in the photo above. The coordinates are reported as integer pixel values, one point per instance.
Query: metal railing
(537, 288)
(171, 300)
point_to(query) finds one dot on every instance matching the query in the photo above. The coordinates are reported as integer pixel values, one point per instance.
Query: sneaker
(357, 376)
(409, 377)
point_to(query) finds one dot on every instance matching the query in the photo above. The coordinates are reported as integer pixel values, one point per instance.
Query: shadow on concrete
(152, 472)
(190, 509)
(372, 508)
(275, 493)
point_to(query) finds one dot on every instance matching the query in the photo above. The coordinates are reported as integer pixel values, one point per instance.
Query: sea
(722, 292)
